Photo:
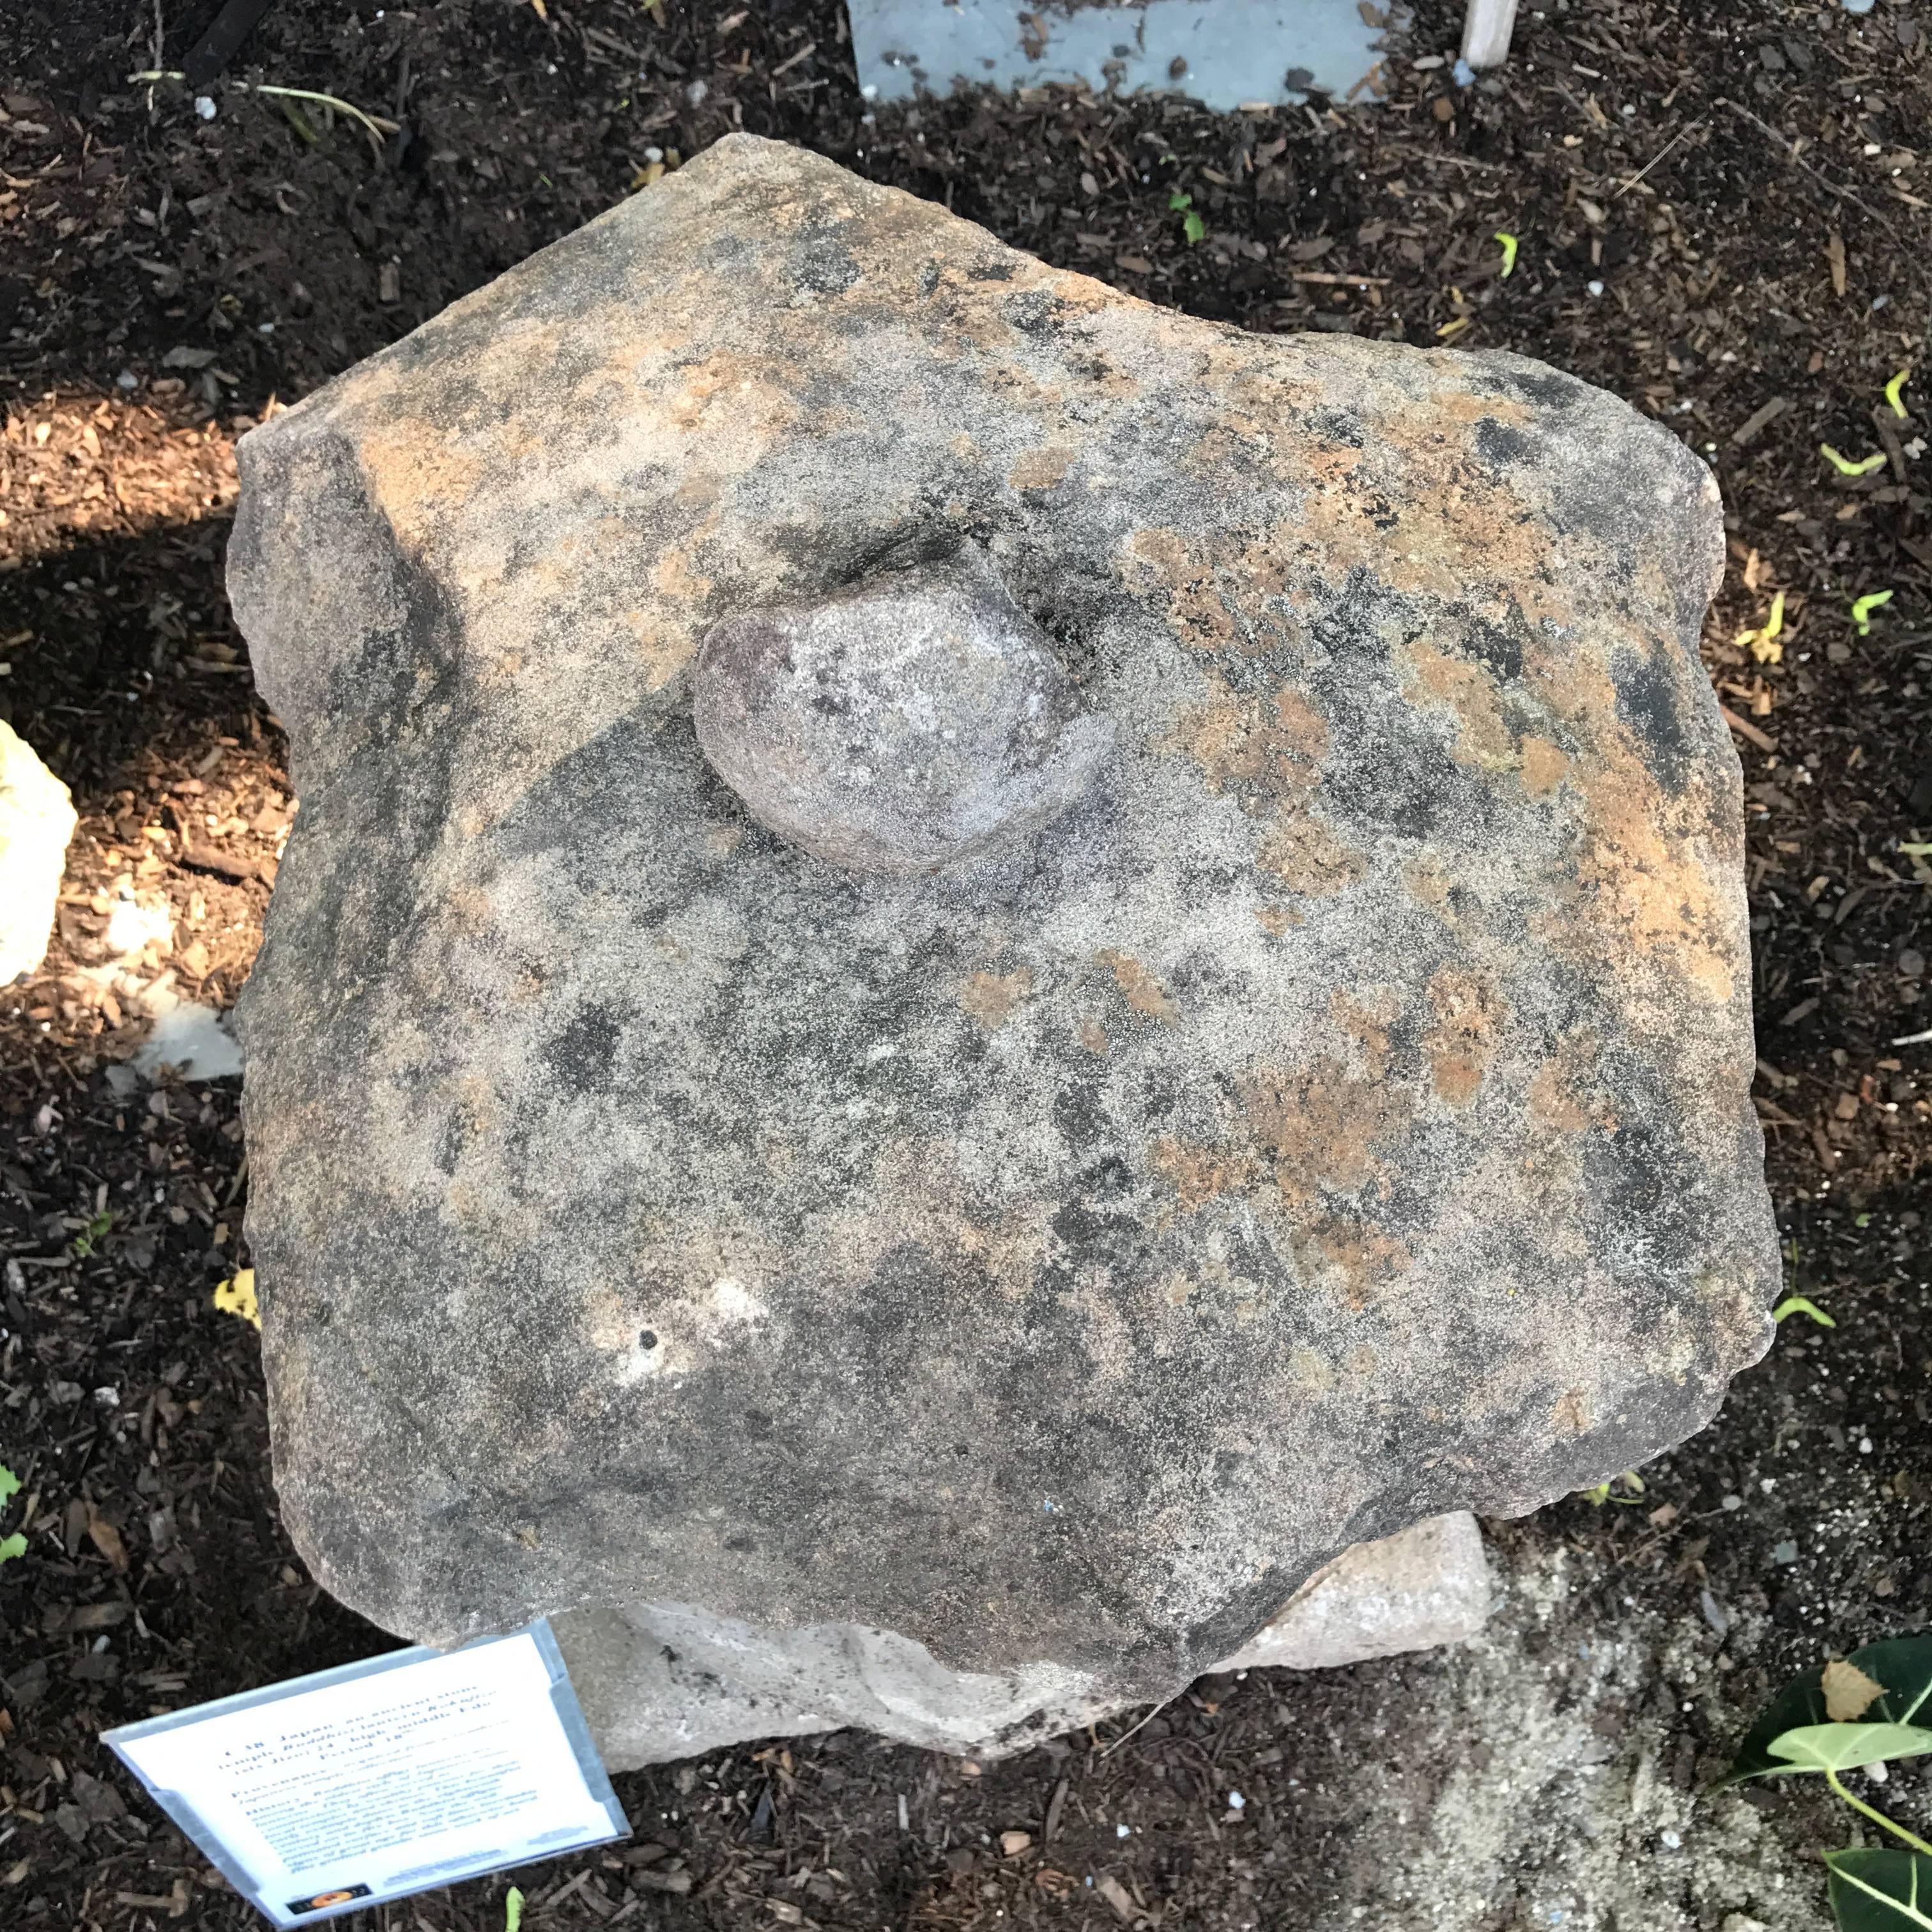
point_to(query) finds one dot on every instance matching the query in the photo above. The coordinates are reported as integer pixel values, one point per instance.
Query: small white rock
(204, 106)
(37, 820)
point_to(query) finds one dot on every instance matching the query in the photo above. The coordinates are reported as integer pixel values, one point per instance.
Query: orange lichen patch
(1323, 1124)
(607, 1321)
(416, 475)
(1543, 766)
(1463, 1042)
(1571, 1412)
(1423, 518)
(1651, 893)
(1482, 739)
(477, 1099)
(1041, 469)
(1275, 919)
(1142, 990)
(1265, 567)
(1094, 1037)
(1308, 858)
(1362, 1259)
(1367, 1024)
(1199, 1173)
(1655, 879)
(1261, 750)
(1162, 560)
(1426, 885)
(1559, 1096)
(665, 645)
(470, 909)
(991, 998)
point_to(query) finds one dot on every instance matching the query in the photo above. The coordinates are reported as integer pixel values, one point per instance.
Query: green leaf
(1177, 199)
(1880, 1890)
(513, 1910)
(10, 1483)
(1903, 1665)
(1846, 1747)
(12, 1545)
(1193, 227)
(1801, 1304)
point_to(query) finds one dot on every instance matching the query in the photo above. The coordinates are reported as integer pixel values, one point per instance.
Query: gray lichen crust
(902, 724)
(1338, 1115)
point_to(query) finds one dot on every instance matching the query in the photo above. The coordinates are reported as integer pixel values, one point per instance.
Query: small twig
(1129, 1732)
(375, 123)
(1432, 155)
(1685, 135)
(1746, 730)
(1830, 188)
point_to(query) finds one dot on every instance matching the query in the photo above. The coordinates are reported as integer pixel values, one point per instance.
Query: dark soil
(1715, 214)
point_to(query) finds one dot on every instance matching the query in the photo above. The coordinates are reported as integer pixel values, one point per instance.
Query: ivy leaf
(1880, 1890)
(12, 1545)
(1846, 1747)
(1901, 1665)
(9, 1484)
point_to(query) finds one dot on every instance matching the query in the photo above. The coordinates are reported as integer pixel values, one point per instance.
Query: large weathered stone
(1337, 1115)
(36, 820)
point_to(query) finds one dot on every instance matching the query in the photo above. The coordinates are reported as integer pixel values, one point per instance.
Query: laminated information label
(333, 1792)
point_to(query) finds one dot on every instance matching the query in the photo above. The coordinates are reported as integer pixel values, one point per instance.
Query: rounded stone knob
(902, 725)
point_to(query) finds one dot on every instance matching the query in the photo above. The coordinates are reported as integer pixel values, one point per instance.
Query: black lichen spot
(647, 1338)
(582, 1053)
(1500, 446)
(1648, 709)
(1032, 312)
(1494, 648)
(1337, 426)
(993, 269)
(1548, 389)
(824, 266)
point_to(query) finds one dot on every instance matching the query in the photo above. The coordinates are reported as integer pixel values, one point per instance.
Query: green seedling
(1192, 226)
(1600, 1495)
(91, 1237)
(1845, 467)
(15, 1545)
(1509, 251)
(1863, 607)
(1802, 1304)
(1846, 1715)
(374, 125)
(513, 1910)
(1891, 391)
(1764, 643)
